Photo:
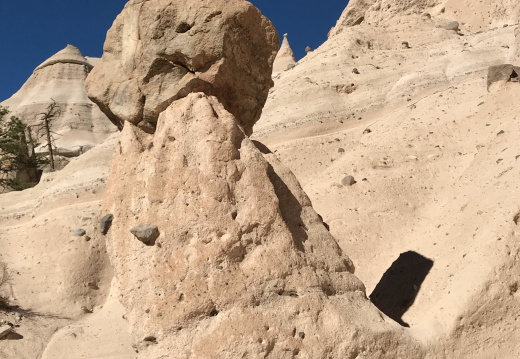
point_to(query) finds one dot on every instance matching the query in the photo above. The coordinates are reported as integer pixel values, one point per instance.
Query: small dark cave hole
(183, 27)
(396, 291)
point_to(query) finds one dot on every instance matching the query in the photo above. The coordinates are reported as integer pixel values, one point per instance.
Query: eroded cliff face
(473, 16)
(241, 264)
(161, 51)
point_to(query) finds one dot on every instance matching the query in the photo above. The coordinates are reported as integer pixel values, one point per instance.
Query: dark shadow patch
(13, 336)
(290, 207)
(261, 147)
(396, 291)
(183, 27)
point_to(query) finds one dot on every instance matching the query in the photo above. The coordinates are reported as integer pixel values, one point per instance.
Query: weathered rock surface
(502, 73)
(81, 124)
(105, 223)
(284, 58)
(476, 16)
(4, 331)
(146, 233)
(242, 253)
(436, 129)
(377, 12)
(159, 51)
(53, 274)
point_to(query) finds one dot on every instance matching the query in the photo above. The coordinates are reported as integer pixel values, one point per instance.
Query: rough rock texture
(243, 266)
(53, 274)
(146, 233)
(503, 73)
(483, 15)
(434, 177)
(159, 51)
(105, 223)
(475, 15)
(516, 45)
(284, 58)
(377, 12)
(81, 124)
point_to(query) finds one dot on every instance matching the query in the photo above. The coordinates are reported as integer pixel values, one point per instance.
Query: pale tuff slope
(439, 160)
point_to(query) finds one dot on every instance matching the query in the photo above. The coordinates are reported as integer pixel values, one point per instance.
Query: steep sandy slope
(434, 155)
(81, 125)
(56, 277)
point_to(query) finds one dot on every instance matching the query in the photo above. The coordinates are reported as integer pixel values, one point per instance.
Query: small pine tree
(19, 163)
(44, 128)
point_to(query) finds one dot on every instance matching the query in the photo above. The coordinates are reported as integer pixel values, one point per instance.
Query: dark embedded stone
(505, 72)
(146, 233)
(105, 223)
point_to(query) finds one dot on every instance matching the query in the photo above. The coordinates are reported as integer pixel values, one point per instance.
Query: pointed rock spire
(285, 57)
(69, 54)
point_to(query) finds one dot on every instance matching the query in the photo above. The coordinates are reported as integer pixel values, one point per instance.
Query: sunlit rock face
(159, 51)
(80, 125)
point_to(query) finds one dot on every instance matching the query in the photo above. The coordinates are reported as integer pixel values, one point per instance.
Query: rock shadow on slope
(396, 291)
(290, 207)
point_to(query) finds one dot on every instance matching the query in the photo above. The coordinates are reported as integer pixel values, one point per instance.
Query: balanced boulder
(159, 51)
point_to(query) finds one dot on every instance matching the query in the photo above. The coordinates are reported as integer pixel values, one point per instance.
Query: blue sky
(33, 30)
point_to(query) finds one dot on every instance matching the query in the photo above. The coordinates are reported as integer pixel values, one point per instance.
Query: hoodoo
(285, 58)
(241, 265)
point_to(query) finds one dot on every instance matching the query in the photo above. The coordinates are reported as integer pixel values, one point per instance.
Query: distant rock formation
(285, 58)
(240, 264)
(81, 124)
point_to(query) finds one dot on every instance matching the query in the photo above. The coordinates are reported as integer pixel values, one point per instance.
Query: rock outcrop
(81, 124)
(160, 51)
(52, 273)
(476, 16)
(241, 265)
(242, 254)
(284, 58)
(376, 12)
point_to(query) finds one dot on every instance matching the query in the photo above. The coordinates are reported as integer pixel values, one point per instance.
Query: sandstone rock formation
(284, 58)
(160, 51)
(81, 124)
(242, 265)
(437, 175)
(241, 255)
(481, 15)
(53, 274)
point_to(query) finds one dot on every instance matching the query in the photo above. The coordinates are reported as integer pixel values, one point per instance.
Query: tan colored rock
(81, 124)
(516, 56)
(159, 51)
(376, 12)
(483, 15)
(243, 265)
(52, 273)
(284, 58)
(502, 73)
(475, 15)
